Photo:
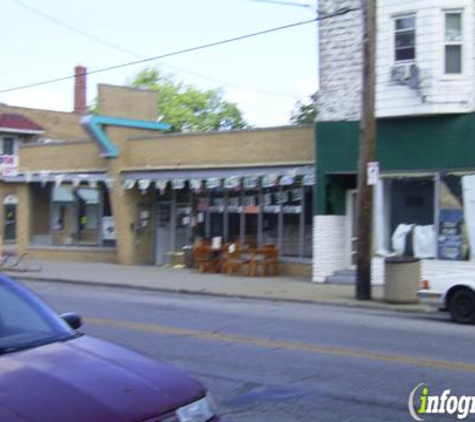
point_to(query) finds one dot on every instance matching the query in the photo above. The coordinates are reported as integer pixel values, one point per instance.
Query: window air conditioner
(401, 73)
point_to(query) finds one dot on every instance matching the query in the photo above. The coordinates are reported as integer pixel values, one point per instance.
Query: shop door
(163, 234)
(144, 235)
(9, 224)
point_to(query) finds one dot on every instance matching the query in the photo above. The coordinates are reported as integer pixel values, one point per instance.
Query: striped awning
(218, 173)
(48, 176)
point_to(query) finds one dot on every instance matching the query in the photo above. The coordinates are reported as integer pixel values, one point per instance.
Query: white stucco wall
(329, 235)
(339, 96)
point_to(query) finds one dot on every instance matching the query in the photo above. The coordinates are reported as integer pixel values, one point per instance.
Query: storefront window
(64, 216)
(291, 201)
(216, 213)
(270, 217)
(252, 215)
(69, 216)
(182, 224)
(252, 210)
(107, 220)
(428, 216)
(200, 210)
(88, 215)
(455, 231)
(234, 211)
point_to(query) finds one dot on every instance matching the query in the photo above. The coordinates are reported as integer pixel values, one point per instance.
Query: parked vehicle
(49, 371)
(454, 293)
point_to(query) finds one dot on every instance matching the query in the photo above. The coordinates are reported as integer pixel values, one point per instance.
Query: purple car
(51, 372)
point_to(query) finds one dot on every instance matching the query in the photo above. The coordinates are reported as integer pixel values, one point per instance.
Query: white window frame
(396, 31)
(453, 43)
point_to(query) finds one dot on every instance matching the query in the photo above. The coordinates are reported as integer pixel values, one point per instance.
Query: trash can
(402, 276)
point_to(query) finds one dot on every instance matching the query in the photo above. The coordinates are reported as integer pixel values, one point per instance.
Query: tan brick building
(71, 201)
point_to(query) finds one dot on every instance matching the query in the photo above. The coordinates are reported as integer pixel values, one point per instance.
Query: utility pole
(367, 154)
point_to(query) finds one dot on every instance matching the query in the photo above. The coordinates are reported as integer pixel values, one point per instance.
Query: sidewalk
(191, 281)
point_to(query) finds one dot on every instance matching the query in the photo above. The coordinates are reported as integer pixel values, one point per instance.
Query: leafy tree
(188, 109)
(305, 112)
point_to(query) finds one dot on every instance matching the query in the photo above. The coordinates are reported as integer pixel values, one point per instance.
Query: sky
(265, 75)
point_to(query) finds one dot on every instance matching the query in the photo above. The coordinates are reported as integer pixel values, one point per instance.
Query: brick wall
(130, 103)
(78, 254)
(285, 145)
(250, 147)
(71, 156)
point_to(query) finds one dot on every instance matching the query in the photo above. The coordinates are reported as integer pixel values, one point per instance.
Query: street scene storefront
(71, 211)
(426, 214)
(271, 206)
(124, 192)
(424, 198)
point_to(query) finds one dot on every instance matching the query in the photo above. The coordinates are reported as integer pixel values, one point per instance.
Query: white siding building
(425, 104)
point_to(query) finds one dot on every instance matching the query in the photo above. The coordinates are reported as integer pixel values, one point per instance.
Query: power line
(285, 3)
(183, 51)
(175, 53)
(74, 29)
(141, 56)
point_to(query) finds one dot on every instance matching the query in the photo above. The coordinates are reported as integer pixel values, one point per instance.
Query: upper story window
(453, 43)
(8, 147)
(405, 38)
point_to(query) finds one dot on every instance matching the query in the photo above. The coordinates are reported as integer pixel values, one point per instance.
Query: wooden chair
(234, 259)
(203, 257)
(267, 260)
(223, 258)
(251, 243)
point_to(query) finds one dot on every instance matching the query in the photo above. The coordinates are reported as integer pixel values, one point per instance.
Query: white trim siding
(431, 90)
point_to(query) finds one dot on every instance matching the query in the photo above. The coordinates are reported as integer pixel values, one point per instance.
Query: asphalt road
(283, 362)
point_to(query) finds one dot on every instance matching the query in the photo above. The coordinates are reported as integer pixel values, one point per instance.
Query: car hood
(441, 283)
(87, 379)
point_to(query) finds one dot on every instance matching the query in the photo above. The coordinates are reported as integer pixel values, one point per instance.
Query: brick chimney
(80, 89)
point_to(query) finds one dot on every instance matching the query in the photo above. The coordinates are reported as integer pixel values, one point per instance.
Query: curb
(377, 306)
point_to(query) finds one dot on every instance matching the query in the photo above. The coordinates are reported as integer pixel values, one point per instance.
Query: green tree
(305, 112)
(186, 108)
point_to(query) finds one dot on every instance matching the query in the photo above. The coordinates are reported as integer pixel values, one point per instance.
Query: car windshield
(25, 321)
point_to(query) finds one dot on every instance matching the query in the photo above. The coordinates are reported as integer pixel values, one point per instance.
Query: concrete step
(347, 276)
(346, 272)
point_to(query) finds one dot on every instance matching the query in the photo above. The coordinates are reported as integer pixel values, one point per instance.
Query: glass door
(163, 234)
(10, 223)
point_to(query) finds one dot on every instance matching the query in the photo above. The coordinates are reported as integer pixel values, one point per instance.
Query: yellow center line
(278, 344)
